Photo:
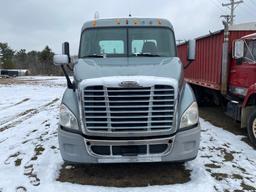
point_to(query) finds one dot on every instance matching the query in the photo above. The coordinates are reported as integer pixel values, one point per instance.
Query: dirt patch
(216, 116)
(125, 175)
(219, 176)
(213, 166)
(18, 162)
(37, 151)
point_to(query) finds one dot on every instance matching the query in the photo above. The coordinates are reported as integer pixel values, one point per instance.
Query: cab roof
(251, 36)
(124, 22)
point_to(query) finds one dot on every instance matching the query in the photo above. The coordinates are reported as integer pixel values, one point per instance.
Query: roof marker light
(135, 22)
(159, 22)
(94, 23)
(150, 22)
(118, 21)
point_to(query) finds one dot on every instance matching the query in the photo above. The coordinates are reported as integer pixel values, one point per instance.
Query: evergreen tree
(46, 60)
(6, 56)
(21, 59)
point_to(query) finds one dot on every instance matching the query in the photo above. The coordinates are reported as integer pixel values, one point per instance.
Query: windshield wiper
(147, 55)
(94, 55)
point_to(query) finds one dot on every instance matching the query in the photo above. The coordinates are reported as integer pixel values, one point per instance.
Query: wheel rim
(254, 128)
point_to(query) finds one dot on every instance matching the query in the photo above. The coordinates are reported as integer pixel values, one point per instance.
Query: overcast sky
(33, 24)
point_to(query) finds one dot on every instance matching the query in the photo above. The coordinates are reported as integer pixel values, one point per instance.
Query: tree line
(37, 62)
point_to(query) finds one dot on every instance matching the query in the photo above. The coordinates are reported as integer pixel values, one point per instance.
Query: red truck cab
(224, 72)
(243, 67)
(242, 81)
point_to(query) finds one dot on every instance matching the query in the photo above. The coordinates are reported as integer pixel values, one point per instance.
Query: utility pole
(226, 17)
(232, 5)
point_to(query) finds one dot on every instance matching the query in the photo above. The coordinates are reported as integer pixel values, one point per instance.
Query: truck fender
(251, 93)
(249, 104)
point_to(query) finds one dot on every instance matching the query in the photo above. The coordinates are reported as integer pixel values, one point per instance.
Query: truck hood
(142, 66)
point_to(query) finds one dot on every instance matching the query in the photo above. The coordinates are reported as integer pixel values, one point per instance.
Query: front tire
(251, 128)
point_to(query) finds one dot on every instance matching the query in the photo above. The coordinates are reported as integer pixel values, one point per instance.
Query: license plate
(130, 160)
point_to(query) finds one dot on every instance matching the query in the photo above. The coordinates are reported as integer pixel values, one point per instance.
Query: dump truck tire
(251, 128)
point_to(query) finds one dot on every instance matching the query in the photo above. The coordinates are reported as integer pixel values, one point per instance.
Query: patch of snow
(30, 159)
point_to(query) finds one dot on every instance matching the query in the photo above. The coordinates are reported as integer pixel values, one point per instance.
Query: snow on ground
(30, 158)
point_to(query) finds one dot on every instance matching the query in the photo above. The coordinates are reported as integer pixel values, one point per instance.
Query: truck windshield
(250, 51)
(127, 42)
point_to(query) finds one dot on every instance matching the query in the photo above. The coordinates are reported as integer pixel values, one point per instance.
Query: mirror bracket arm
(188, 64)
(69, 83)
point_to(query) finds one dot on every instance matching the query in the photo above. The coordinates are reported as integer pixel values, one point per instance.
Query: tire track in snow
(25, 115)
(15, 104)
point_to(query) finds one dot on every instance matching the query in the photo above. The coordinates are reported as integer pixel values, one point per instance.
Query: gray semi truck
(128, 101)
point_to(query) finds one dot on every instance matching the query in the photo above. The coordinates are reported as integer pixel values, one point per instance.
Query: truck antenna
(96, 15)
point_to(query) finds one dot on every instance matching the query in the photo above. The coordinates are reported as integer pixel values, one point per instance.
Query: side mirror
(191, 50)
(65, 48)
(60, 60)
(238, 52)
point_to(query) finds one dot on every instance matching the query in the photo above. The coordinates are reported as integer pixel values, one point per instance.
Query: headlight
(190, 116)
(238, 91)
(67, 118)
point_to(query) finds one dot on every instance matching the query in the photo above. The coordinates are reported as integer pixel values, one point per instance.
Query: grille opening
(163, 87)
(159, 148)
(163, 103)
(167, 97)
(92, 109)
(130, 93)
(130, 109)
(128, 150)
(94, 103)
(97, 124)
(100, 150)
(128, 103)
(96, 119)
(161, 124)
(91, 93)
(129, 98)
(132, 150)
(162, 118)
(129, 114)
(94, 87)
(128, 119)
(128, 125)
(95, 114)
(128, 130)
(129, 89)
(94, 98)
(166, 92)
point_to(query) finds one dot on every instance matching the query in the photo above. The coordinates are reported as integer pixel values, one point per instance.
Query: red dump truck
(224, 72)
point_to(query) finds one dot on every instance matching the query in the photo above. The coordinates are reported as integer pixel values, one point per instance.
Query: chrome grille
(140, 109)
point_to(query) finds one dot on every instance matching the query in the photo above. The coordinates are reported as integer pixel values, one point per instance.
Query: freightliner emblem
(129, 84)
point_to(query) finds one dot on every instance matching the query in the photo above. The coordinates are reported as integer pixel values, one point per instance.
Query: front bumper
(182, 146)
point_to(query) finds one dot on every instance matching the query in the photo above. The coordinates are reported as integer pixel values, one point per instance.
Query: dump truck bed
(206, 69)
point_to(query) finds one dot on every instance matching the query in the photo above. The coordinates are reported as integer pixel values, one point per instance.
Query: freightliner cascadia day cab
(128, 101)
(225, 72)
